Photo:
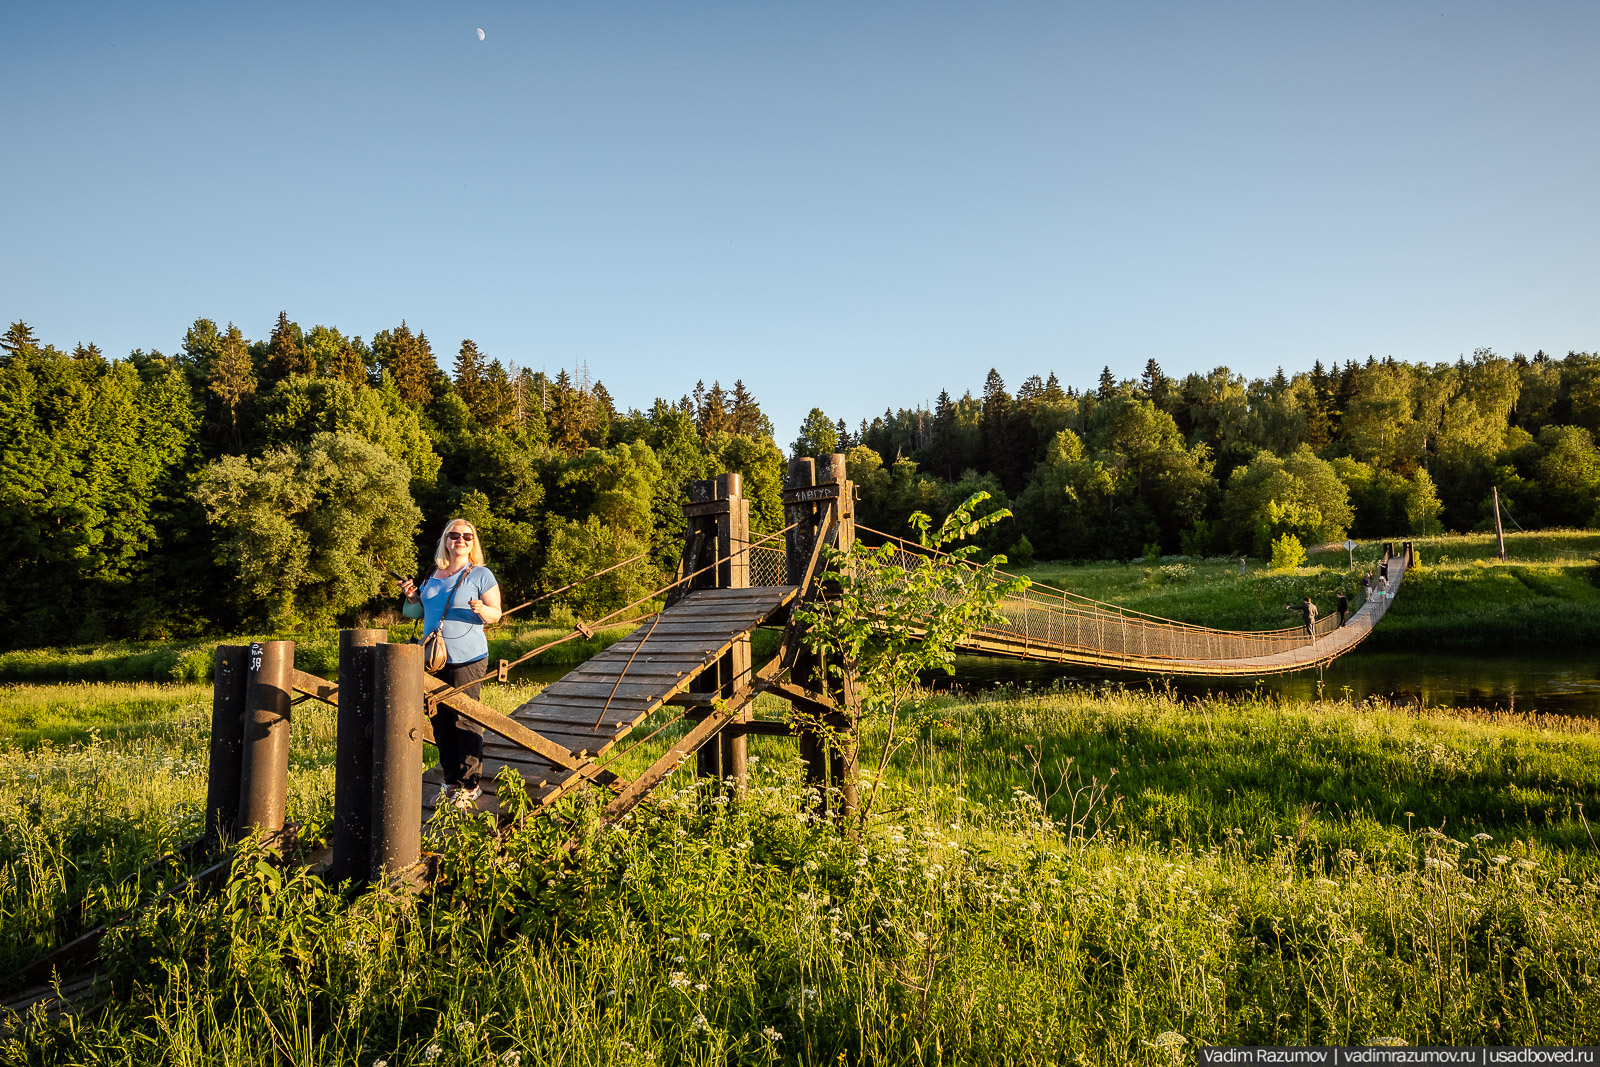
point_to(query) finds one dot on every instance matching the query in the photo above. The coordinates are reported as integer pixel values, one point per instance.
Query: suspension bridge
(691, 655)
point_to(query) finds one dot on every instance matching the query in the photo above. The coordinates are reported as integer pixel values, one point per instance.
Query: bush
(1287, 552)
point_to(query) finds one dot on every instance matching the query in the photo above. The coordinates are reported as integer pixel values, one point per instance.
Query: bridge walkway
(583, 717)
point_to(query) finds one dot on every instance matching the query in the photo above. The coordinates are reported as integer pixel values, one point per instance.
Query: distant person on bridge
(1308, 611)
(1342, 603)
(458, 578)
(1366, 585)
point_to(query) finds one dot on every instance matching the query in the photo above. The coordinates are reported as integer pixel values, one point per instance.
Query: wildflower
(701, 987)
(770, 1034)
(677, 959)
(380, 1063)
(1481, 838)
(432, 1052)
(465, 1027)
(1499, 861)
(511, 1058)
(1525, 864)
(701, 1024)
(678, 980)
(705, 937)
(1170, 1039)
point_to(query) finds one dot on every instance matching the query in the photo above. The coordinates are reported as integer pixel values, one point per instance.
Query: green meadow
(1075, 875)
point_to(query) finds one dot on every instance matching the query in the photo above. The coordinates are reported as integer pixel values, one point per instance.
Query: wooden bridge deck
(598, 703)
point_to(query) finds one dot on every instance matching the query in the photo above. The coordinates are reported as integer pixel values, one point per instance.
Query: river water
(1563, 684)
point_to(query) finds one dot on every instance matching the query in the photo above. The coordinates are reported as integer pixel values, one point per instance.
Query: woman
(457, 598)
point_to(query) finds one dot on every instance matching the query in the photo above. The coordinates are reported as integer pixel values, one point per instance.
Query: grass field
(316, 652)
(1459, 596)
(1101, 876)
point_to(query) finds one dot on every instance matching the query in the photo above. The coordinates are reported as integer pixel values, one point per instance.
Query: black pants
(460, 740)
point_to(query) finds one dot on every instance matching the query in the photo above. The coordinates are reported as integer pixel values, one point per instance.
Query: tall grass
(1103, 876)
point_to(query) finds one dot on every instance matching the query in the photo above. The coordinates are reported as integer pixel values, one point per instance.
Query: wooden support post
(820, 497)
(352, 769)
(719, 517)
(229, 682)
(264, 778)
(1499, 531)
(397, 678)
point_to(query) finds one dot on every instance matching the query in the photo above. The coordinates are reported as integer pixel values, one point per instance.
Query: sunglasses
(453, 536)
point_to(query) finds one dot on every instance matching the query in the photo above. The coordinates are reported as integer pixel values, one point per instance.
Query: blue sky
(849, 205)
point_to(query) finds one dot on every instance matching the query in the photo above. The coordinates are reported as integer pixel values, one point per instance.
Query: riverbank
(1546, 595)
(316, 653)
(1110, 876)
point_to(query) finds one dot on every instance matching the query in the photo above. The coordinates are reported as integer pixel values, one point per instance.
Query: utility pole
(1499, 533)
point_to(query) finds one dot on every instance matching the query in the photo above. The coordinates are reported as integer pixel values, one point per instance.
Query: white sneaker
(466, 799)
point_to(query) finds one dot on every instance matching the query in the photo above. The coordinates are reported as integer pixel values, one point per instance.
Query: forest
(239, 484)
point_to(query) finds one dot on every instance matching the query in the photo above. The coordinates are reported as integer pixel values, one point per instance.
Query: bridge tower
(718, 528)
(819, 503)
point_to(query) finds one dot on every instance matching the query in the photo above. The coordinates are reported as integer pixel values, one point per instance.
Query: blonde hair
(441, 558)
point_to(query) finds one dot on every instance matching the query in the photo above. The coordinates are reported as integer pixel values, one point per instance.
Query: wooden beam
(515, 732)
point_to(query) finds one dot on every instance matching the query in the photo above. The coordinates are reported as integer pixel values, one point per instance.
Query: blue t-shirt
(463, 630)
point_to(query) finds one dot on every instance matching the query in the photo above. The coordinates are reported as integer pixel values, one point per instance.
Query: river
(1564, 684)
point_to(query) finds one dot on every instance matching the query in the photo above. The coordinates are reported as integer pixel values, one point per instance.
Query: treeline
(240, 484)
(1215, 463)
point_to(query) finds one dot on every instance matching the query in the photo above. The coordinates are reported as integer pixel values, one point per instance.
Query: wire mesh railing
(1041, 618)
(769, 566)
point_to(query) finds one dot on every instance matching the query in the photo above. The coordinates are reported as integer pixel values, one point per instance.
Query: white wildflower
(770, 1034)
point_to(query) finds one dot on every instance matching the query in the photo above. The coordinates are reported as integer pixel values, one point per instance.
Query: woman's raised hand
(409, 588)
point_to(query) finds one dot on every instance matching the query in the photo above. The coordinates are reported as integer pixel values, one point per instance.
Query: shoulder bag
(434, 654)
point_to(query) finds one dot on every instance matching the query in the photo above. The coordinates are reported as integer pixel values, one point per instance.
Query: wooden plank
(574, 708)
(626, 690)
(312, 686)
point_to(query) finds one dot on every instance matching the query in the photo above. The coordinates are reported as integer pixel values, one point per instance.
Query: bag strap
(452, 598)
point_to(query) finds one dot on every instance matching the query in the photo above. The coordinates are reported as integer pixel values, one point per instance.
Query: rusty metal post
(229, 681)
(352, 768)
(264, 777)
(396, 759)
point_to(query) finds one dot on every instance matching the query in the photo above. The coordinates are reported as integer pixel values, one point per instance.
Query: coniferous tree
(17, 338)
(1107, 387)
(408, 360)
(603, 416)
(286, 351)
(347, 364)
(744, 415)
(568, 415)
(232, 380)
(469, 378)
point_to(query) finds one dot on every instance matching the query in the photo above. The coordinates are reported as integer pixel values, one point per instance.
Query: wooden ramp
(595, 706)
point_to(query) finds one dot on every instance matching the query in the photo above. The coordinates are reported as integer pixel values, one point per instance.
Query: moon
(480, 33)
